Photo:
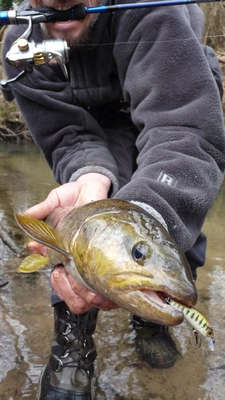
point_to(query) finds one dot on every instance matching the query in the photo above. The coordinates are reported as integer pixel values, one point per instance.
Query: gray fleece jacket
(141, 106)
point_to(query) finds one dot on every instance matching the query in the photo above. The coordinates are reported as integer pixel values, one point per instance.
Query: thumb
(43, 209)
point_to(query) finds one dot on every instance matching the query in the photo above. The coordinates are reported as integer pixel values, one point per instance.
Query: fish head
(129, 257)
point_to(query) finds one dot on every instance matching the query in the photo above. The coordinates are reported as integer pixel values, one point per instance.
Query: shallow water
(26, 316)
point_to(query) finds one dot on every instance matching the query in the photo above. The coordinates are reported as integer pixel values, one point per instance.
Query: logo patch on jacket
(166, 179)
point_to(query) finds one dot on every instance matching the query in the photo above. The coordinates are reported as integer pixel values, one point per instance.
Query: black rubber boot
(68, 374)
(154, 343)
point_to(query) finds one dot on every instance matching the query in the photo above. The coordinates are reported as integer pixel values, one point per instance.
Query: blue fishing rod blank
(157, 3)
(80, 11)
(4, 17)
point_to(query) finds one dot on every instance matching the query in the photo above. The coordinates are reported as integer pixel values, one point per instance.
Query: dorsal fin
(41, 232)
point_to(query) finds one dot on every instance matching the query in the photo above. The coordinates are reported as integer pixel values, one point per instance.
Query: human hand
(87, 188)
(78, 298)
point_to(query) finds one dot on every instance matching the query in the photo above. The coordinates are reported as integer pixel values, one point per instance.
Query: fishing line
(147, 41)
(80, 11)
(30, 54)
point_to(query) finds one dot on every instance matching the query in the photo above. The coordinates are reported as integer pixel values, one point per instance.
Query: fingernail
(92, 297)
(56, 274)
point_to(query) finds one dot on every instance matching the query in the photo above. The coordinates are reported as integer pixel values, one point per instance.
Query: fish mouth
(187, 298)
(183, 292)
(149, 299)
(153, 305)
(159, 309)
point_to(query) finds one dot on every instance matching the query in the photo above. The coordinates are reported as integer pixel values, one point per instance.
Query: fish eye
(141, 252)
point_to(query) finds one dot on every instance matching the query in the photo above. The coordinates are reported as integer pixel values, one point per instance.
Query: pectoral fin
(41, 233)
(33, 263)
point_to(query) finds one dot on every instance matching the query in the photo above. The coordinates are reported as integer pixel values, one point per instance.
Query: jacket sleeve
(176, 106)
(70, 138)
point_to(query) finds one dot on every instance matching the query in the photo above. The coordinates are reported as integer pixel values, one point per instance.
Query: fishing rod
(80, 11)
(26, 55)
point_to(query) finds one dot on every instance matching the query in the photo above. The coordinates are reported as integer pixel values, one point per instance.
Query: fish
(119, 250)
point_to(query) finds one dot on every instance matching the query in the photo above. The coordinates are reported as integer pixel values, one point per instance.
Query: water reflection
(25, 321)
(26, 316)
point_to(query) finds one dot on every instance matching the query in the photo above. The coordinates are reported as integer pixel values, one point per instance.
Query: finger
(61, 284)
(37, 248)
(41, 210)
(92, 298)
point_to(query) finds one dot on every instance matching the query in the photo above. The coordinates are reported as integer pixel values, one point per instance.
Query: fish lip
(165, 307)
(187, 296)
(169, 314)
(154, 295)
(188, 300)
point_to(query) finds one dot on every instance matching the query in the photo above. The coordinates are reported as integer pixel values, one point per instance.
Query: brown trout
(119, 250)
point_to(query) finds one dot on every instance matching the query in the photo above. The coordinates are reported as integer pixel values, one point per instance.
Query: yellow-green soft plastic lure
(197, 320)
